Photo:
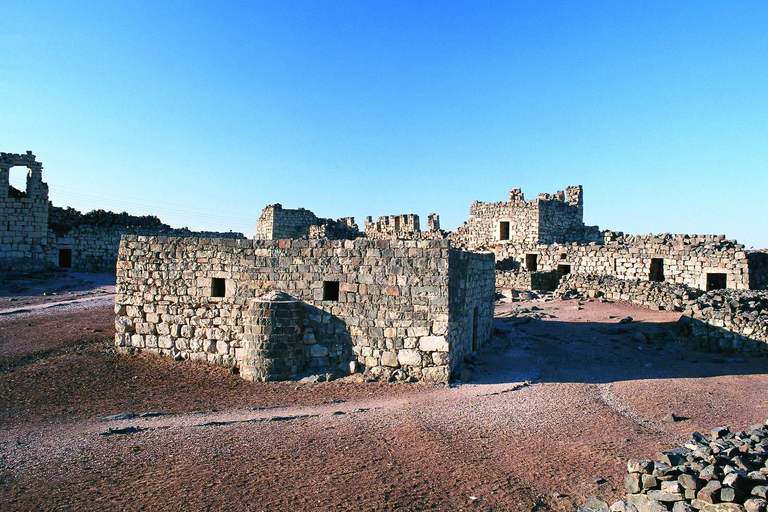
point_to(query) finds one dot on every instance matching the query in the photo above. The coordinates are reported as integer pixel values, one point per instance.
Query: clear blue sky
(204, 112)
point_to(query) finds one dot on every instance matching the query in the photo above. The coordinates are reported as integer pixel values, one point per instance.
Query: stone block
(408, 357)
(433, 344)
(436, 374)
(390, 359)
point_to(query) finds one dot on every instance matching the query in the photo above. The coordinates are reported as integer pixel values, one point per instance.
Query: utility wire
(196, 213)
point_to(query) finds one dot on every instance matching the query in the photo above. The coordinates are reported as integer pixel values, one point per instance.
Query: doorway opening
(657, 270)
(65, 258)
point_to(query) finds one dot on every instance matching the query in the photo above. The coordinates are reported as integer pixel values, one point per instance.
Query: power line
(121, 197)
(155, 208)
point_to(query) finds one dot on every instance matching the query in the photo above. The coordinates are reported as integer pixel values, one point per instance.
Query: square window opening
(504, 230)
(716, 281)
(531, 262)
(330, 290)
(218, 287)
(563, 269)
(563, 256)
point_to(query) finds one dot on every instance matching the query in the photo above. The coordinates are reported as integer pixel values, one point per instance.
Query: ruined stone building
(403, 309)
(537, 241)
(398, 302)
(36, 234)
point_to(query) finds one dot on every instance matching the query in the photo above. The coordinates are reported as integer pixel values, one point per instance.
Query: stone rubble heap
(727, 472)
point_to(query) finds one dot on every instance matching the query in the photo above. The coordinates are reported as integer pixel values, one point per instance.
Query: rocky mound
(726, 473)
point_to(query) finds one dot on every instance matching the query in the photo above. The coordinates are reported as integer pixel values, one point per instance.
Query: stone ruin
(35, 234)
(537, 244)
(543, 244)
(399, 309)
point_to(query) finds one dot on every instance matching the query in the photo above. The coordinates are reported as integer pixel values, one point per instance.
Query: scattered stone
(716, 474)
(595, 504)
(626, 320)
(122, 431)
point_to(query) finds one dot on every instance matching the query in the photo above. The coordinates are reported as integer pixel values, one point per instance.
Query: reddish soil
(555, 407)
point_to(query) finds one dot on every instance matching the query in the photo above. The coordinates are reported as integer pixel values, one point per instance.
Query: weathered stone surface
(632, 483)
(389, 359)
(640, 466)
(755, 505)
(644, 504)
(408, 357)
(665, 496)
(682, 506)
(723, 507)
(436, 374)
(433, 343)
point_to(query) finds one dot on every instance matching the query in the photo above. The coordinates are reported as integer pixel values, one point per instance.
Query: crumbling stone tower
(548, 219)
(23, 213)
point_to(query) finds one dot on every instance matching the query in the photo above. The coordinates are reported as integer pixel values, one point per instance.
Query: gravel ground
(555, 406)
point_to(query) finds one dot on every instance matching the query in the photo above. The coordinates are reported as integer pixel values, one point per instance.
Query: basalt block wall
(719, 320)
(387, 304)
(551, 218)
(679, 259)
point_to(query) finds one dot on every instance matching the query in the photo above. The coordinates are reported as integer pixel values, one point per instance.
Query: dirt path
(555, 406)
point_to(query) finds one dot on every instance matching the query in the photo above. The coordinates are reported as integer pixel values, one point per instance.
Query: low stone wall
(521, 280)
(721, 320)
(729, 320)
(727, 472)
(649, 294)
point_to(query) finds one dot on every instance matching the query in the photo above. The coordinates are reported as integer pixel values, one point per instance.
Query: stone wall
(385, 304)
(551, 218)
(23, 214)
(393, 226)
(719, 320)
(683, 259)
(649, 294)
(729, 320)
(508, 280)
(471, 297)
(34, 233)
(277, 223)
(758, 269)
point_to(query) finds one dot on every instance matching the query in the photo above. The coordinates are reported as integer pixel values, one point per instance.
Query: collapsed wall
(719, 320)
(23, 213)
(406, 308)
(727, 472)
(729, 320)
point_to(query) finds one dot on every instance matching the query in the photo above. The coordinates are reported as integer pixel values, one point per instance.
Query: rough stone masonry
(403, 309)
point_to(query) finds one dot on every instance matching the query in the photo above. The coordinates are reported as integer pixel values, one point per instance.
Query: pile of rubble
(726, 473)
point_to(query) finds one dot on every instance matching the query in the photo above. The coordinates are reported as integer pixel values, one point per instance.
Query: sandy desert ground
(558, 400)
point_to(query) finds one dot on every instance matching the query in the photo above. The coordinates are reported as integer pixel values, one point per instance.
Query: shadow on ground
(554, 350)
